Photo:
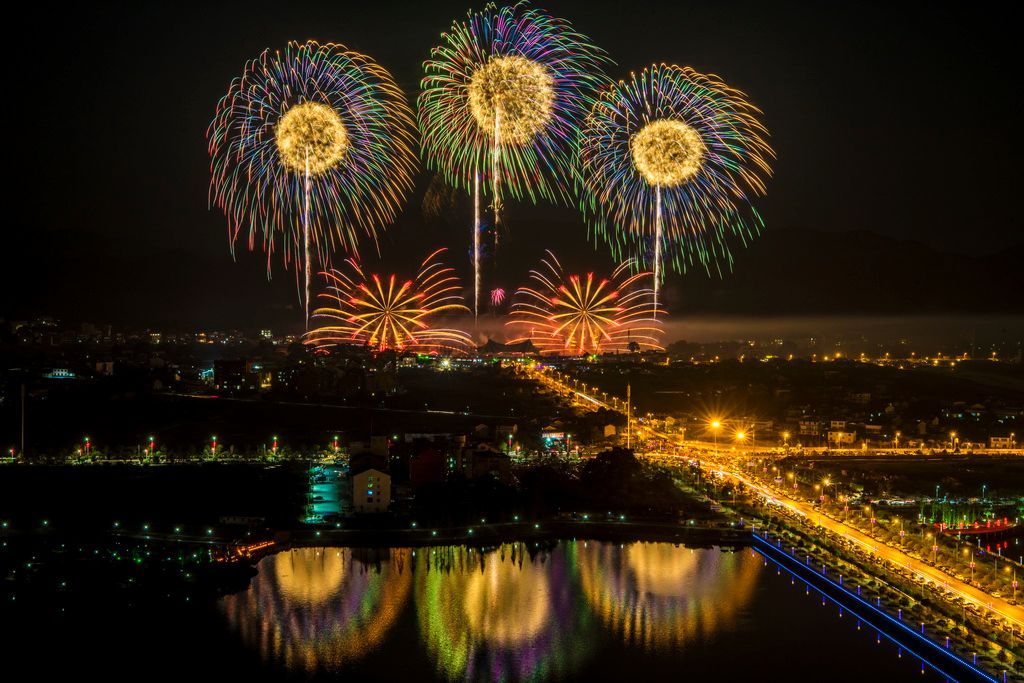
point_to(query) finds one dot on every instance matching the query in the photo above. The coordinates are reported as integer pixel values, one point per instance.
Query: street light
(715, 426)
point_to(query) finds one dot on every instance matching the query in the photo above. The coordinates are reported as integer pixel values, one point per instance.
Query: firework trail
(583, 314)
(500, 106)
(675, 153)
(317, 131)
(388, 314)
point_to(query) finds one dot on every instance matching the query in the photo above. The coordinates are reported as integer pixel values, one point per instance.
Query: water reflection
(500, 615)
(318, 608)
(655, 595)
(516, 612)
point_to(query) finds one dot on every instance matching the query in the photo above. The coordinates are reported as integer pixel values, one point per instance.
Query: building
(377, 446)
(493, 348)
(371, 483)
(234, 376)
(810, 428)
(1000, 442)
(484, 460)
(840, 439)
(426, 467)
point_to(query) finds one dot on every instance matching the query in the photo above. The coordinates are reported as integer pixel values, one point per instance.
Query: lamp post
(715, 426)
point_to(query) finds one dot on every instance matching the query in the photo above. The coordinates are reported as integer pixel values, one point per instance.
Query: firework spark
(388, 314)
(582, 314)
(501, 104)
(317, 132)
(497, 297)
(675, 155)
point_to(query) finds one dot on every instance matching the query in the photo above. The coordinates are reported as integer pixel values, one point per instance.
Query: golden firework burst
(572, 314)
(513, 96)
(389, 314)
(311, 132)
(667, 152)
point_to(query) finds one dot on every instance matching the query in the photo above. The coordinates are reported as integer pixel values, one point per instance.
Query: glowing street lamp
(715, 426)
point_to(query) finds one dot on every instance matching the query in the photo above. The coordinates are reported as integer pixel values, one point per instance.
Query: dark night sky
(901, 121)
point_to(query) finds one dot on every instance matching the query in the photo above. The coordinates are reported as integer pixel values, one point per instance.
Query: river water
(578, 610)
(567, 611)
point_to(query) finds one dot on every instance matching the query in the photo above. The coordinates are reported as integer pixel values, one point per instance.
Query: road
(1011, 613)
(1014, 614)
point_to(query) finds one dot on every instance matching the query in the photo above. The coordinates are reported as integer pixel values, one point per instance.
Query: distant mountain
(812, 271)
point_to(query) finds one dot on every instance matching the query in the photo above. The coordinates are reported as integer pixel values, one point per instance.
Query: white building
(371, 490)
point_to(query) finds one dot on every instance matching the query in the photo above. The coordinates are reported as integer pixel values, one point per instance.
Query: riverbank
(702, 536)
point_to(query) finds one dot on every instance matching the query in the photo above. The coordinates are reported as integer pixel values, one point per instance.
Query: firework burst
(497, 297)
(317, 132)
(388, 314)
(582, 314)
(675, 156)
(500, 107)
